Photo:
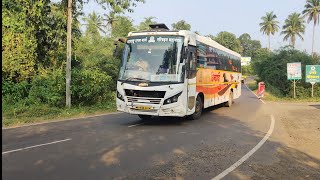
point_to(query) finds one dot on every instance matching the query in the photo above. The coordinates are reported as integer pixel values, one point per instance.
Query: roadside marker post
(260, 90)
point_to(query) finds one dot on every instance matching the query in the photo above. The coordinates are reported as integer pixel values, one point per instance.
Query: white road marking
(255, 94)
(135, 125)
(45, 144)
(54, 121)
(182, 132)
(245, 157)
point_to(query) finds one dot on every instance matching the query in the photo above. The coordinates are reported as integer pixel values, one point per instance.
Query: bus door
(191, 79)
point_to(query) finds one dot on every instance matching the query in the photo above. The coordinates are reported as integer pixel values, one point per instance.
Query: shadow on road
(221, 141)
(162, 149)
(171, 121)
(315, 106)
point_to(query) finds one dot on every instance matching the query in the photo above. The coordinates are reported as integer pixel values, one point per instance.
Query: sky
(213, 16)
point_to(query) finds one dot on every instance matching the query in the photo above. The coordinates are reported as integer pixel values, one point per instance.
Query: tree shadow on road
(315, 106)
(224, 141)
(171, 121)
(199, 149)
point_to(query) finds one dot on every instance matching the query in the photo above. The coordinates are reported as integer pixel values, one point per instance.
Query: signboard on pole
(294, 71)
(312, 73)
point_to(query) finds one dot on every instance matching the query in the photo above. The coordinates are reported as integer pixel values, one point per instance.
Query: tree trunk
(312, 51)
(269, 42)
(68, 68)
(293, 41)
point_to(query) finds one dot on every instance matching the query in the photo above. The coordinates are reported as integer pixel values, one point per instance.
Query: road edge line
(30, 147)
(250, 153)
(255, 94)
(135, 125)
(61, 120)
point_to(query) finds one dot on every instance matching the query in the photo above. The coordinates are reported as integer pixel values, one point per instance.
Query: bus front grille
(144, 100)
(147, 94)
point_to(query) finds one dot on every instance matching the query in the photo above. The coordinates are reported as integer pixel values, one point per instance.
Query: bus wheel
(198, 109)
(145, 117)
(230, 101)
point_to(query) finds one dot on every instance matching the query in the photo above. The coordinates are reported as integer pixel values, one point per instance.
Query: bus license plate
(142, 107)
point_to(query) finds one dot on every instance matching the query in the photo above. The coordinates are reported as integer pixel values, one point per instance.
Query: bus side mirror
(185, 53)
(116, 42)
(183, 72)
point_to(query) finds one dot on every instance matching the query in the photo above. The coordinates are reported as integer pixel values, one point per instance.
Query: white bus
(175, 73)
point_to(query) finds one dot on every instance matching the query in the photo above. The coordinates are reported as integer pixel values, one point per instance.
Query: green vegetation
(248, 45)
(181, 25)
(34, 56)
(247, 70)
(24, 114)
(229, 40)
(269, 96)
(145, 24)
(271, 67)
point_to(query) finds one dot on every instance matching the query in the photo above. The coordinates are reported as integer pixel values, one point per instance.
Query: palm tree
(111, 19)
(181, 25)
(293, 26)
(144, 25)
(94, 24)
(269, 25)
(312, 11)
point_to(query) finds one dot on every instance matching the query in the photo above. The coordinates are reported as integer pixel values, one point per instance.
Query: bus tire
(230, 101)
(145, 117)
(198, 109)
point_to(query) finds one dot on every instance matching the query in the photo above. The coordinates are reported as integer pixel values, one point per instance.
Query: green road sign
(294, 71)
(312, 73)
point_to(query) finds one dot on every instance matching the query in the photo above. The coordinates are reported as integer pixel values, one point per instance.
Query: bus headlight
(119, 96)
(172, 99)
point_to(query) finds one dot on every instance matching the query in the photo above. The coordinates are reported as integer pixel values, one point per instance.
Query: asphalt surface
(121, 146)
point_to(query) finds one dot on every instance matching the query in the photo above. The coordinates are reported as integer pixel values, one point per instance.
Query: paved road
(121, 146)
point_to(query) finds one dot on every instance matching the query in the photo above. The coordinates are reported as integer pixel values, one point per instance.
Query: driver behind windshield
(138, 62)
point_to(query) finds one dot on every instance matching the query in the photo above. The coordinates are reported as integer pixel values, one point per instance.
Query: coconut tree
(144, 25)
(269, 25)
(312, 11)
(94, 24)
(111, 19)
(293, 26)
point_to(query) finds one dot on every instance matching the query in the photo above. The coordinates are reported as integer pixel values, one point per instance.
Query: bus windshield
(152, 59)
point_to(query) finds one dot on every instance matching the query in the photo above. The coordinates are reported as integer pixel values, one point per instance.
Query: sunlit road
(121, 146)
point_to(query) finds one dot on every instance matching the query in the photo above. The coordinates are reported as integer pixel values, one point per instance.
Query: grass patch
(19, 114)
(252, 85)
(269, 96)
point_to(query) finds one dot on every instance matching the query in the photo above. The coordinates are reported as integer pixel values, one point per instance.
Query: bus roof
(192, 36)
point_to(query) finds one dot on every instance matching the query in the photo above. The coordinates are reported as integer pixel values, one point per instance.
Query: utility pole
(68, 65)
(294, 88)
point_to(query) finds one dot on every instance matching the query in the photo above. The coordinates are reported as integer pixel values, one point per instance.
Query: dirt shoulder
(301, 125)
(293, 150)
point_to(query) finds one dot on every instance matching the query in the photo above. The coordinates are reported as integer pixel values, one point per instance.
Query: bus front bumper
(174, 109)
